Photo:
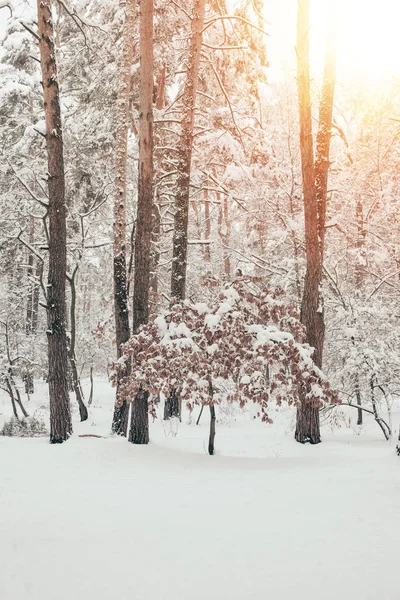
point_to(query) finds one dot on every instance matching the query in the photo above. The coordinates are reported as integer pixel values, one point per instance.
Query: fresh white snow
(101, 519)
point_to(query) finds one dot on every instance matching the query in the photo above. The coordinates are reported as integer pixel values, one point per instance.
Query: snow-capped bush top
(249, 338)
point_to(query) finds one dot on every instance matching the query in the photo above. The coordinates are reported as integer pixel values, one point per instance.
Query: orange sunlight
(369, 39)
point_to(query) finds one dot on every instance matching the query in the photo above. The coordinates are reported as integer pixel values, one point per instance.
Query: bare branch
(228, 18)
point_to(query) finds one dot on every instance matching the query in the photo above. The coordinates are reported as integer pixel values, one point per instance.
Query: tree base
(139, 429)
(120, 420)
(307, 424)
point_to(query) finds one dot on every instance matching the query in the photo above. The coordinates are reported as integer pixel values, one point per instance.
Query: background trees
(221, 170)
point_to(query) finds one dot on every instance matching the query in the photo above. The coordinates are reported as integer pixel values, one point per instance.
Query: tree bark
(324, 134)
(83, 412)
(139, 429)
(212, 431)
(185, 147)
(60, 415)
(122, 329)
(307, 426)
(224, 231)
(145, 181)
(207, 228)
(212, 419)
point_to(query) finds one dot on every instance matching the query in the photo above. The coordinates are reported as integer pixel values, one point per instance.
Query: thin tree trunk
(207, 228)
(211, 438)
(386, 433)
(359, 277)
(224, 231)
(29, 326)
(60, 415)
(358, 398)
(324, 134)
(19, 401)
(122, 330)
(185, 147)
(155, 255)
(91, 386)
(11, 394)
(29, 305)
(139, 429)
(212, 430)
(83, 412)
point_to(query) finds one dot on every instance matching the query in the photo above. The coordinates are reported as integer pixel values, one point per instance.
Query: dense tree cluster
(145, 158)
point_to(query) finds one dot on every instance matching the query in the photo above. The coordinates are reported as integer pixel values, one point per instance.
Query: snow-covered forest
(199, 279)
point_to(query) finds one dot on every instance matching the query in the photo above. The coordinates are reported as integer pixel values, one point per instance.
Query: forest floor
(101, 519)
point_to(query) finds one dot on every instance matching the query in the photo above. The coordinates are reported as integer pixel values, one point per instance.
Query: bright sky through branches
(369, 45)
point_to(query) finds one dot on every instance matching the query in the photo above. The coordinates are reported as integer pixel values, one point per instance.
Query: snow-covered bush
(28, 427)
(249, 338)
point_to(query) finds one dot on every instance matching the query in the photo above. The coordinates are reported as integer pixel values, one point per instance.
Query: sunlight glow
(369, 39)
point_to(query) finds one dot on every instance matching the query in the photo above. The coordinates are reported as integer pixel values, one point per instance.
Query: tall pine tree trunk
(324, 134)
(185, 147)
(60, 415)
(139, 430)
(307, 426)
(184, 155)
(315, 186)
(121, 310)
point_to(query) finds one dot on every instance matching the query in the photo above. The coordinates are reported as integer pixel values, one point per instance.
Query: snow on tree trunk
(122, 330)
(184, 153)
(139, 429)
(60, 415)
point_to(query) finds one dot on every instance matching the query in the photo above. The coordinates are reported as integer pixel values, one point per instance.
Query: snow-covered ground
(101, 519)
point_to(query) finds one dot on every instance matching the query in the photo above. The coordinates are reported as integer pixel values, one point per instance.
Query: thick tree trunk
(145, 181)
(307, 426)
(185, 147)
(121, 310)
(60, 415)
(139, 429)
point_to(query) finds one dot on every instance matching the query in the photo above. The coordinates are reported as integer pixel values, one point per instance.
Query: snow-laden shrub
(28, 427)
(250, 339)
